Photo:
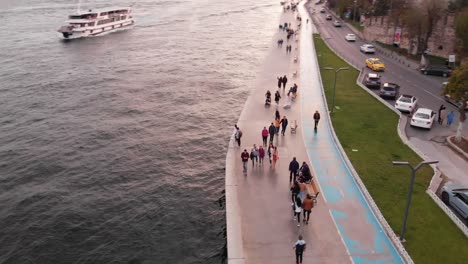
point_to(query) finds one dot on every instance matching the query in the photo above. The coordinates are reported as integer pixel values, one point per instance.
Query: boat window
(74, 17)
(91, 24)
(103, 14)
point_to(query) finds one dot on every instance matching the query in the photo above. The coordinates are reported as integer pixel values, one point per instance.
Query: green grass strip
(365, 124)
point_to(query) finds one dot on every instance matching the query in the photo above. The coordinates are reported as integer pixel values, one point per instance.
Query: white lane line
(341, 236)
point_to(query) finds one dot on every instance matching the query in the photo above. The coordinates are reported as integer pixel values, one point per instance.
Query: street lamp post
(354, 13)
(410, 191)
(336, 71)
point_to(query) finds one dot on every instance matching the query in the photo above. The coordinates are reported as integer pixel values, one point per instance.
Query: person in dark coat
(277, 114)
(439, 119)
(316, 118)
(285, 81)
(284, 124)
(277, 97)
(272, 131)
(280, 81)
(293, 168)
(295, 190)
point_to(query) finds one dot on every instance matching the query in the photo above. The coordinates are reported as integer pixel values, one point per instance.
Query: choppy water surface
(112, 148)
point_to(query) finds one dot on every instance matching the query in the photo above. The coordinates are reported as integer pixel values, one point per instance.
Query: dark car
(439, 70)
(372, 80)
(390, 90)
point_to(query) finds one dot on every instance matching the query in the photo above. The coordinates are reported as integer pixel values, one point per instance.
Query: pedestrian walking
(284, 124)
(316, 119)
(261, 154)
(285, 81)
(277, 97)
(307, 206)
(237, 135)
(277, 114)
(272, 131)
(280, 81)
(265, 136)
(254, 155)
(275, 156)
(295, 190)
(443, 116)
(450, 118)
(270, 152)
(245, 160)
(277, 126)
(297, 207)
(439, 120)
(299, 247)
(293, 168)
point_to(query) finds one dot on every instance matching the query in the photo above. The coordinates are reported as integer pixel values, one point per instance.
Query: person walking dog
(284, 124)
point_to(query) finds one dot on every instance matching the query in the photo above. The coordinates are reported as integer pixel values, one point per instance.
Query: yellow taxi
(375, 64)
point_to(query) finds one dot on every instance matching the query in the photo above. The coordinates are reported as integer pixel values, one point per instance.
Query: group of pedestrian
(257, 155)
(288, 48)
(445, 118)
(282, 81)
(303, 206)
(280, 43)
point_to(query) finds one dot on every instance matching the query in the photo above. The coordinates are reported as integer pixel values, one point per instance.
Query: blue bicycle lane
(362, 234)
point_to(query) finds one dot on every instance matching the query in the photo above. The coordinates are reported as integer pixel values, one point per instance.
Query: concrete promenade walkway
(260, 225)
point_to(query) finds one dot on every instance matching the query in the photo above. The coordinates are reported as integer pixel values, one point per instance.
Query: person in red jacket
(265, 136)
(261, 154)
(245, 160)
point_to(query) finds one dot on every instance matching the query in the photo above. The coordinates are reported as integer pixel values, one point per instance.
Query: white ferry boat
(97, 22)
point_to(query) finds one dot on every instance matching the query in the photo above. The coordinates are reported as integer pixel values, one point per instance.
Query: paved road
(426, 88)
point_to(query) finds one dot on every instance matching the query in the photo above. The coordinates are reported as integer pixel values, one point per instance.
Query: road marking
(341, 236)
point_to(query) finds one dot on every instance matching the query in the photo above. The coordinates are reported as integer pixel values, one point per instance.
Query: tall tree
(433, 11)
(461, 30)
(457, 88)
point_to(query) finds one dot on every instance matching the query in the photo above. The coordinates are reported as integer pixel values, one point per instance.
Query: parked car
(350, 37)
(337, 23)
(439, 70)
(406, 103)
(367, 48)
(322, 10)
(390, 90)
(329, 17)
(457, 198)
(423, 117)
(372, 80)
(375, 64)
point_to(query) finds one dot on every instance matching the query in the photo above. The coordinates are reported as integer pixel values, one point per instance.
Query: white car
(367, 48)
(406, 103)
(322, 10)
(423, 118)
(350, 37)
(337, 23)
